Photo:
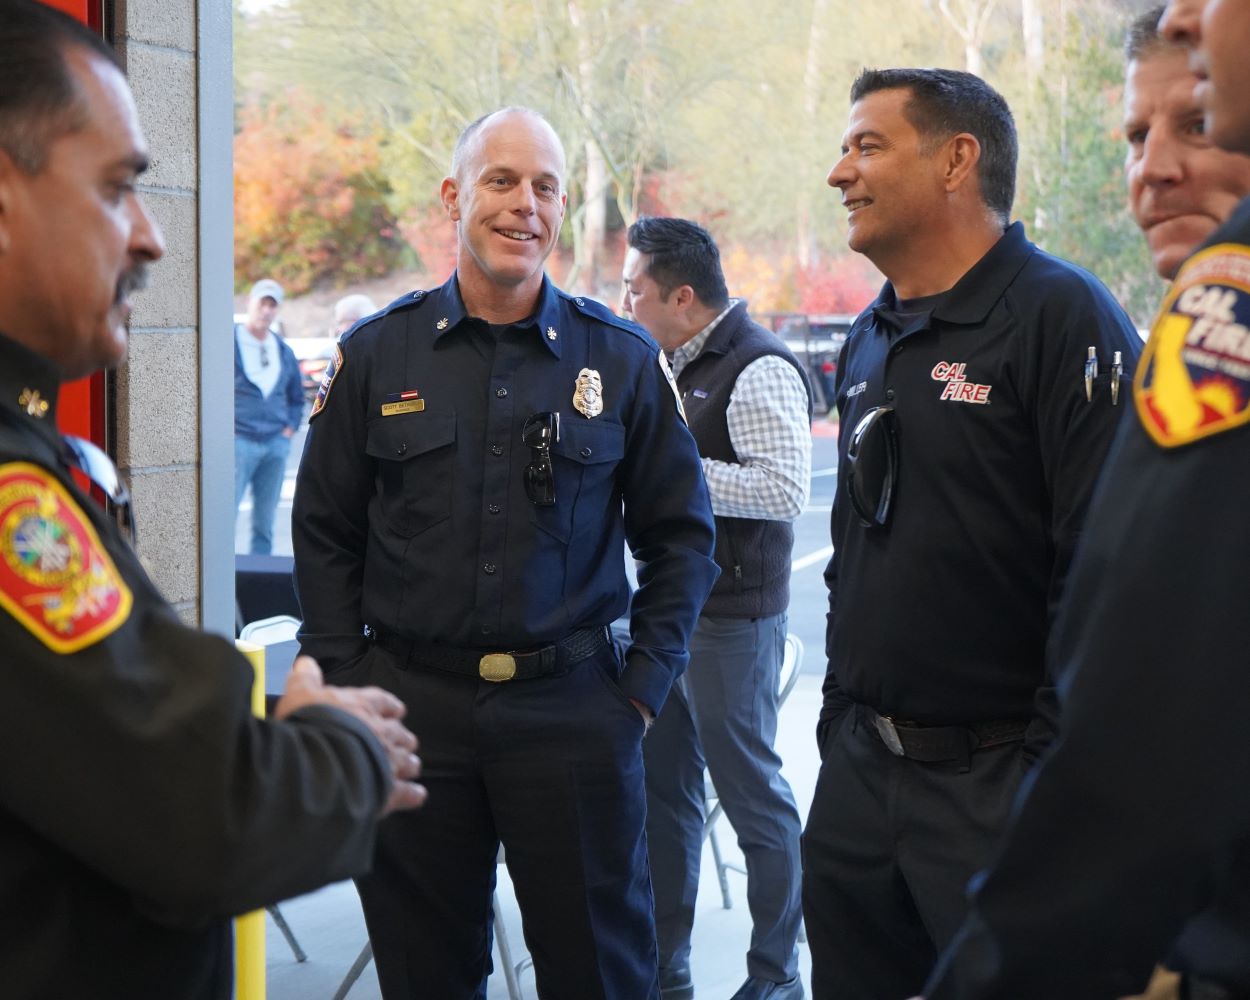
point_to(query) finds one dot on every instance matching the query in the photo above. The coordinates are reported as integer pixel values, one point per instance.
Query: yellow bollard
(249, 929)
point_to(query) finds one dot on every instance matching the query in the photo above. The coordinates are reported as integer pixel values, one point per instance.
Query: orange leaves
(310, 197)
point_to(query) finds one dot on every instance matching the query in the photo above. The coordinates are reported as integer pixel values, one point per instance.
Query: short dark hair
(945, 102)
(681, 253)
(39, 99)
(1143, 38)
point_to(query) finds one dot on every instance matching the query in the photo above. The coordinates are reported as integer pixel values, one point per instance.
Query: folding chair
(511, 970)
(787, 677)
(269, 632)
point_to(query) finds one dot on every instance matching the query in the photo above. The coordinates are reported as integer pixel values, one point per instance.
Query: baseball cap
(269, 287)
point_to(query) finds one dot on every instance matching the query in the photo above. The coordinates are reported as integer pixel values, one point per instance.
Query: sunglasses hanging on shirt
(539, 432)
(872, 466)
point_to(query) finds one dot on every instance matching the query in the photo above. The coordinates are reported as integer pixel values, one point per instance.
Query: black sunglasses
(539, 432)
(872, 466)
(95, 464)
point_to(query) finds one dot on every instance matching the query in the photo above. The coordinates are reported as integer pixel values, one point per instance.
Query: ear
(962, 153)
(684, 295)
(450, 195)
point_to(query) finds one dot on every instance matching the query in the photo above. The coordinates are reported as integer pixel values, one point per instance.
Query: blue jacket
(258, 417)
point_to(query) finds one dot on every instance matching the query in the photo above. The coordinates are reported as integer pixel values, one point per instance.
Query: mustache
(134, 280)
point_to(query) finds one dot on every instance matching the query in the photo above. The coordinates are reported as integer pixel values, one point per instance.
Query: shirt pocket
(415, 457)
(584, 463)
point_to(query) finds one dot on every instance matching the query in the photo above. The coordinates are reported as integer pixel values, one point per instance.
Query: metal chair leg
(286, 932)
(505, 953)
(726, 899)
(358, 966)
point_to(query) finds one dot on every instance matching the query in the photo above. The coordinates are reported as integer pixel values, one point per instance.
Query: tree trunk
(816, 44)
(1033, 28)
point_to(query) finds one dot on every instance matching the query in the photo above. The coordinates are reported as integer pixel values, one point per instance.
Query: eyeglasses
(99, 468)
(539, 432)
(264, 355)
(872, 466)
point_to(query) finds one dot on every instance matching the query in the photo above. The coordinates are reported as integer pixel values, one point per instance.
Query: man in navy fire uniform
(477, 460)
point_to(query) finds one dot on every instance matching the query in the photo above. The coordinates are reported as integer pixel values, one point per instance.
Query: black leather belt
(518, 665)
(931, 744)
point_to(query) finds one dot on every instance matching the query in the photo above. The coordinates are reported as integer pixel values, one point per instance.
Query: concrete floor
(330, 928)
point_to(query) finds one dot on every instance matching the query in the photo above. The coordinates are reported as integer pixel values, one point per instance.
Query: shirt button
(585, 453)
(488, 569)
(501, 393)
(889, 393)
(493, 508)
(402, 449)
(496, 449)
(487, 630)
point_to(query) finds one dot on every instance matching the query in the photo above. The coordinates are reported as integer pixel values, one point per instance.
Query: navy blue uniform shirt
(1139, 817)
(945, 612)
(414, 519)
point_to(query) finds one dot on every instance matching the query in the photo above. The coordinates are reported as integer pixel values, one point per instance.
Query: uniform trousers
(262, 465)
(722, 714)
(888, 850)
(552, 767)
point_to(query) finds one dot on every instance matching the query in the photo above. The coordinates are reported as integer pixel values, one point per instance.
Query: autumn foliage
(310, 199)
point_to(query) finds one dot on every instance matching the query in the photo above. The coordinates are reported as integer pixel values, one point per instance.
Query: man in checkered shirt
(747, 401)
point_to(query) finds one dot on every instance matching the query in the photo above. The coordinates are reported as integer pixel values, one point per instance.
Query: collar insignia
(34, 404)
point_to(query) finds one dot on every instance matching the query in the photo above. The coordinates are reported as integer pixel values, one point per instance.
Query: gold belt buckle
(496, 667)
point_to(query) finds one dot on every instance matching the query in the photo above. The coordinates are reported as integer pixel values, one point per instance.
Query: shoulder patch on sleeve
(56, 578)
(327, 381)
(1193, 379)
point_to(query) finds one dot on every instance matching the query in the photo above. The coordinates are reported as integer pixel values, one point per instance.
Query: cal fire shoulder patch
(56, 578)
(1193, 379)
(327, 380)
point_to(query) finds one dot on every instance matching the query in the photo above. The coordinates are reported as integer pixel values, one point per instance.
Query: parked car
(313, 354)
(816, 341)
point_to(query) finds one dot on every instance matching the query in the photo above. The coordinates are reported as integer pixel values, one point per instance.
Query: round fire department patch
(1193, 379)
(55, 576)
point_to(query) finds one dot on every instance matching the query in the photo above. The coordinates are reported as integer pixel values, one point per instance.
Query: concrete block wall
(157, 404)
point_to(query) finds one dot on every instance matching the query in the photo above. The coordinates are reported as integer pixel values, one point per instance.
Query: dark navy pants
(552, 767)
(888, 850)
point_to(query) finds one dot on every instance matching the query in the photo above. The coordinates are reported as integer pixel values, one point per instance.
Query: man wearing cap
(268, 406)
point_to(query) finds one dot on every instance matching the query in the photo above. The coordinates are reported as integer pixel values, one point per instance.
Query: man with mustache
(141, 803)
(1137, 820)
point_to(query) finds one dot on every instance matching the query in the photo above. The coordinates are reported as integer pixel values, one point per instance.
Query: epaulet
(406, 301)
(596, 310)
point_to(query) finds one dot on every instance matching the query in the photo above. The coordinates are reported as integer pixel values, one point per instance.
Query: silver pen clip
(1091, 371)
(1117, 371)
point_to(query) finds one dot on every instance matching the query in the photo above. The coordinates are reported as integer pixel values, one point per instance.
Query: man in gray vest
(747, 402)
